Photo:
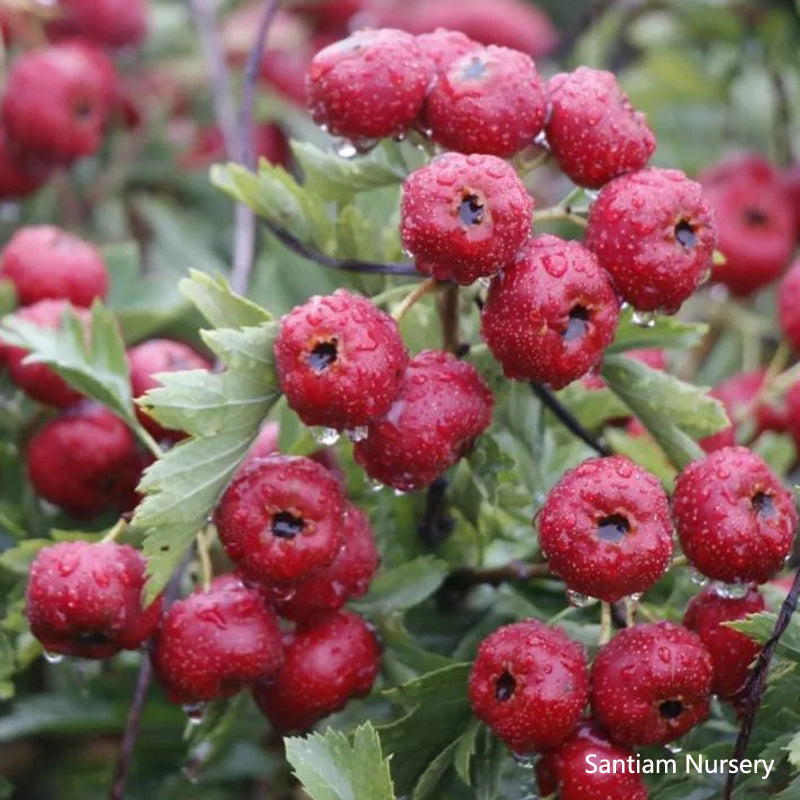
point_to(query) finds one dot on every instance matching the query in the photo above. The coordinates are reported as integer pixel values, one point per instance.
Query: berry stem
(606, 623)
(448, 313)
(419, 291)
(205, 560)
(557, 213)
(679, 561)
(756, 683)
(568, 419)
(148, 441)
(114, 532)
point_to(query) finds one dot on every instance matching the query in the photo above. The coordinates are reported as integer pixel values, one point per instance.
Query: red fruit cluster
(605, 529)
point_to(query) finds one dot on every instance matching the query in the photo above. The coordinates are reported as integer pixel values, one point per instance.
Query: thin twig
(568, 419)
(436, 524)
(783, 121)
(513, 572)
(448, 314)
(413, 297)
(757, 682)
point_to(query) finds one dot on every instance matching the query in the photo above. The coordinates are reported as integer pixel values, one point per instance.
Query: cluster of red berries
(84, 459)
(75, 85)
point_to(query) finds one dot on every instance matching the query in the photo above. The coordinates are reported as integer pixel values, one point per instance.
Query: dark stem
(757, 682)
(515, 571)
(345, 264)
(143, 681)
(783, 121)
(568, 419)
(448, 314)
(436, 523)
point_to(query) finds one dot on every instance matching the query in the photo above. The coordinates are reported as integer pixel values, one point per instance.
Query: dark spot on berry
(286, 525)
(83, 110)
(91, 638)
(671, 709)
(755, 216)
(685, 234)
(613, 528)
(323, 355)
(471, 211)
(577, 324)
(504, 687)
(475, 69)
(763, 505)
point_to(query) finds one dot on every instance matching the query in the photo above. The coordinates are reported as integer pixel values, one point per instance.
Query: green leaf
(592, 407)
(97, 368)
(793, 749)
(465, 751)
(215, 300)
(6, 788)
(760, 627)
(438, 711)
(223, 413)
(334, 767)
(332, 177)
(665, 332)
(55, 713)
(673, 411)
(403, 587)
(437, 769)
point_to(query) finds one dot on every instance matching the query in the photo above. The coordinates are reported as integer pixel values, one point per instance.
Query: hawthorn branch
(514, 572)
(757, 682)
(568, 419)
(436, 523)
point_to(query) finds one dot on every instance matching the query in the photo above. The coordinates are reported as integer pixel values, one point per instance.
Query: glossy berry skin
(732, 652)
(464, 217)
(20, 174)
(529, 684)
(443, 46)
(149, 358)
(215, 643)
(606, 530)
(735, 519)
(339, 360)
(789, 305)
(550, 314)
(368, 86)
(280, 519)
(38, 380)
(347, 577)
(72, 105)
(325, 664)
(654, 232)
(112, 23)
(86, 460)
(565, 772)
(488, 101)
(442, 406)
(651, 684)
(84, 599)
(755, 222)
(44, 262)
(592, 129)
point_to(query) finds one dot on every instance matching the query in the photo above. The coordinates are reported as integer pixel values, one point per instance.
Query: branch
(515, 571)
(568, 419)
(436, 523)
(757, 682)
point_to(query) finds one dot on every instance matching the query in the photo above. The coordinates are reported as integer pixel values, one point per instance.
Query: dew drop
(53, 658)
(634, 598)
(375, 485)
(645, 319)
(673, 748)
(346, 149)
(579, 600)
(196, 712)
(325, 436)
(730, 591)
(357, 434)
(697, 577)
(399, 493)
(524, 760)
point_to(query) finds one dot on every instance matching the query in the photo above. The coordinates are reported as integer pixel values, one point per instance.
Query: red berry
(443, 47)
(368, 86)
(45, 262)
(325, 664)
(72, 92)
(735, 519)
(86, 460)
(593, 130)
(732, 652)
(215, 643)
(755, 222)
(348, 576)
(339, 360)
(572, 771)
(488, 101)
(114, 23)
(550, 315)
(792, 404)
(509, 23)
(651, 684)
(442, 406)
(606, 530)
(464, 217)
(149, 358)
(265, 444)
(280, 519)
(789, 305)
(654, 232)
(84, 599)
(529, 684)
(20, 173)
(38, 380)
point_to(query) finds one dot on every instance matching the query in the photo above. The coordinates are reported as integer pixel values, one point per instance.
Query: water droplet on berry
(673, 748)
(697, 577)
(196, 712)
(346, 149)
(541, 140)
(398, 493)
(325, 436)
(645, 319)
(53, 658)
(634, 598)
(524, 760)
(375, 485)
(357, 434)
(483, 283)
(579, 600)
(730, 591)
